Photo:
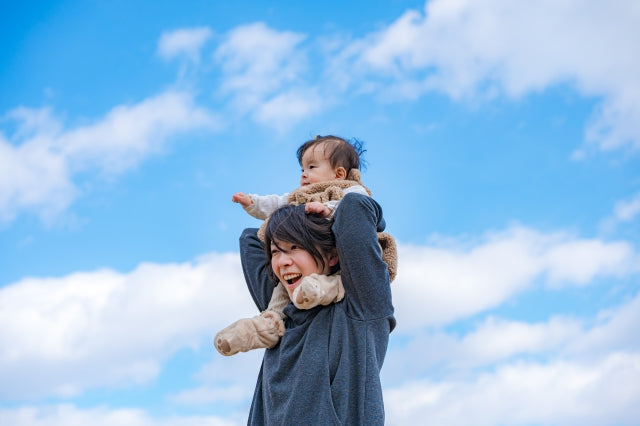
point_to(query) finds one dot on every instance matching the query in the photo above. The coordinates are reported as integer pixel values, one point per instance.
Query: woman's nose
(284, 259)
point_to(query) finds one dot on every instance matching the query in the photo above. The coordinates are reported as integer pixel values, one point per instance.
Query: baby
(330, 170)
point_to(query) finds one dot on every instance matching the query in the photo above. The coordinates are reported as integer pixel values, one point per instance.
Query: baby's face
(316, 167)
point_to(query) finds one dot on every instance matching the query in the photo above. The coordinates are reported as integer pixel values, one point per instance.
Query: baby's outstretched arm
(242, 198)
(260, 206)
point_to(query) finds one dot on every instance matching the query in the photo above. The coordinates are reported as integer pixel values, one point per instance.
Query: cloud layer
(456, 284)
(61, 336)
(41, 160)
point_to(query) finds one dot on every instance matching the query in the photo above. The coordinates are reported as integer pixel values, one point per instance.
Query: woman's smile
(291, 278)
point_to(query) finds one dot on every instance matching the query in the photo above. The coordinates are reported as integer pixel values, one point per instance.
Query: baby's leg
(279, 299)
(315, 290)
(260, 332)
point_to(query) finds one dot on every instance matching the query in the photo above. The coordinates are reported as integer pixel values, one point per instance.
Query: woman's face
(291, 263)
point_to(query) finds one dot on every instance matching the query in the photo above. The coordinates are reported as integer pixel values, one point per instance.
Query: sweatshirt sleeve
(256, 268)
(263, 205)
(365, 275)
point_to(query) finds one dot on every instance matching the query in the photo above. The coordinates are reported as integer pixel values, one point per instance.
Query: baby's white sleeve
(263, 205)
(356, 189)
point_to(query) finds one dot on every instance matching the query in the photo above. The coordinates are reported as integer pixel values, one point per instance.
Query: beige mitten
(315, 290)
(260, 332)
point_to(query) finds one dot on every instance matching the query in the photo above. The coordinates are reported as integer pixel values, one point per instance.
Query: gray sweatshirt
(326, 368)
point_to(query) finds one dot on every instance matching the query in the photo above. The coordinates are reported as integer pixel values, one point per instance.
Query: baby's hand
(317, 208)
(242, 198)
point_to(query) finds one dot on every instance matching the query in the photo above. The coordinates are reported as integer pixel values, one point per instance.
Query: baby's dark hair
(343, 153)
(310, 232)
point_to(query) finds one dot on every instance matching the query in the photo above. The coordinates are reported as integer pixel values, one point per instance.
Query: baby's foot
(315, 290)
(259, 332)
(307, 294)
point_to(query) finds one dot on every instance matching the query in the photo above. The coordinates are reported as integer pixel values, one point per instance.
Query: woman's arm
(365, 275)
(256, 268)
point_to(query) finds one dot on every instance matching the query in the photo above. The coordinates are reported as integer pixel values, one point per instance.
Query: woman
(326, 368)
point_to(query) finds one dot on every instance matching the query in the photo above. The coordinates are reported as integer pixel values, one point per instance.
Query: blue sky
(503, 142)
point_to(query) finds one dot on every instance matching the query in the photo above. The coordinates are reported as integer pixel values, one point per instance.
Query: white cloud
(240, 368)
(206, 395)
(568, 393)
(578, 262)
(613, 332)
(624, 212)
(454, 283)
(33, 177)
(59, 336)
(70, 415)
(39, 165)
(493, 342)
(258, 63)
(469, 48)
(562, 371)
(259, 60)
(127, 134)
(184, 42)
(496, 341)
(106, 328)
(627, 210)
(290, 106)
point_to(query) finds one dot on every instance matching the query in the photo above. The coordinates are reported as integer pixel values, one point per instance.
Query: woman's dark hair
(339, 152)
(310, 232)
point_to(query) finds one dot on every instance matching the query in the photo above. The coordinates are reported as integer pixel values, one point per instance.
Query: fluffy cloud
(454, 283)
(496, 341)
(627, 210)
(70, 415)
(60, 336)
(183, 42)
(580, 393)
(42, 160)
(258, 60)
(624, 213)
(264, 72)
(469, 48)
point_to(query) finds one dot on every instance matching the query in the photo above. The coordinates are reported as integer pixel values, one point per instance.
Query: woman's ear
(341, 173)
(333, 258)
